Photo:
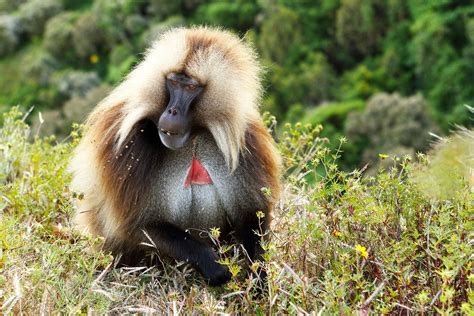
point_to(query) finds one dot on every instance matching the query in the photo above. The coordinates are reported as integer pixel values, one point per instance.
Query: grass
(342, 244)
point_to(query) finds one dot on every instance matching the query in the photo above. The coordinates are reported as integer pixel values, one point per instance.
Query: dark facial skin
(175, 123)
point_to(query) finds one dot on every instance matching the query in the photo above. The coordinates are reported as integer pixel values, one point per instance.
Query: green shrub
(88, 36)
(9, 34)
(360, 25)
(75, 110)
(118, 72)
(389, 122)
(50, 123)
(295, 113)
(317, 79)
(280, 34)
(135, 24)
(119, 54)
(59, 37)
(359, 83)
(78, 107)
(440, 67)
(238, 15)
(35, 13)
(155, 30)
(9, 5)
(162, 9)
(110, 15)
(76, 4)
(449, 166)
(333, 113)
(40, 66)
(76, 83)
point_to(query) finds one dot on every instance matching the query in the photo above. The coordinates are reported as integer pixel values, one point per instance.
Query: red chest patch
(197, 174)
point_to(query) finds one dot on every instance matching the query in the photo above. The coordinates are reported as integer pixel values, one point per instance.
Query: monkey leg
(248, 231)
(173, 242)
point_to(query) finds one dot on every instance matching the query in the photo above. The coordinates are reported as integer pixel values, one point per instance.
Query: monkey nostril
(169, 111)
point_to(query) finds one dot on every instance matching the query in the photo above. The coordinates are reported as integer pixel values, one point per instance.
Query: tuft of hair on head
(218, 59)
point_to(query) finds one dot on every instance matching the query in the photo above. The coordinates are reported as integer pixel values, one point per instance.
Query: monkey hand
(214, 273)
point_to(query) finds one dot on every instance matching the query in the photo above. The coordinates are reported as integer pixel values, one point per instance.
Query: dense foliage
(393, 243)
(335, 53)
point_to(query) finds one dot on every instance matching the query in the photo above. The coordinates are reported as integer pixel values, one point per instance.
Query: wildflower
(215, 232)
(337, 233)
(362, 250)
(94, 58)
(383, 156)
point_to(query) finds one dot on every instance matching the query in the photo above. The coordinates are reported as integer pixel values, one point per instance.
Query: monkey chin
(174, 141)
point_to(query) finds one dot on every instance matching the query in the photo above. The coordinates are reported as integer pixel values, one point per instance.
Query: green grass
(342, 245)
(333, 113)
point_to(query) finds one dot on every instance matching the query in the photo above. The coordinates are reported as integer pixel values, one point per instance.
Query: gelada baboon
(177, 148)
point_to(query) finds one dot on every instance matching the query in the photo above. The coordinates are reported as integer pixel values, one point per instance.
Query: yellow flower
(383, 156)
(337, 233)
(215, 232)
(362, 250)
(94, 59)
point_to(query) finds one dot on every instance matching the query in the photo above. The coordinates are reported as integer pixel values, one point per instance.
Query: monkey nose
(173, 111)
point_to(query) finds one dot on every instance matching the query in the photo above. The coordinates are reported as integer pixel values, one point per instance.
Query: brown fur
(113, 161)
(263, 160)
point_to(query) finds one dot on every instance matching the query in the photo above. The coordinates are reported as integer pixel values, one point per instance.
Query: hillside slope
(340, 242)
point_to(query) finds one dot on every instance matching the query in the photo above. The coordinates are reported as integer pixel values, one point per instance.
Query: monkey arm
(175, 243)
(248, 230)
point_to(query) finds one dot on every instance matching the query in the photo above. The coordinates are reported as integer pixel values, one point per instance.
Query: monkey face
(175, 123)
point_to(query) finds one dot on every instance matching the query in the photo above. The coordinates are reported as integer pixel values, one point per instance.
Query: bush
(391, 121)
(162, 9)
(280, 34)
(111, 16)
(448, 168)
(135, 24)
(77, 108)
(155, 30)
(317, 78)
(359, 83)
(35, 13)
(9, 34)
(58, 39)
(333, 113)
(239, 15)
(360, 25)
(52, 123)
(118, 72)
(88, 36)
(76, 83)
(40, 66)
(9, 5)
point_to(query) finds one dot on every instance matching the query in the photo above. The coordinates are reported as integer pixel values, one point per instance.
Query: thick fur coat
(129, 180)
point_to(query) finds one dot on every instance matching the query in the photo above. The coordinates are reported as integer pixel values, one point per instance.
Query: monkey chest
(195, 193)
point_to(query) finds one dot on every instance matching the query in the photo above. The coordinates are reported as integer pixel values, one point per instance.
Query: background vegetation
(325, 59)
(379, 75)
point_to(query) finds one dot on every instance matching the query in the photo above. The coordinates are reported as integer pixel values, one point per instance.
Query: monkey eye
(173, 82)
(191, 87)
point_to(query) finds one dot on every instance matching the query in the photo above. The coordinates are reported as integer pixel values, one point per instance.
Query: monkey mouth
(167, 132)
(174, 140)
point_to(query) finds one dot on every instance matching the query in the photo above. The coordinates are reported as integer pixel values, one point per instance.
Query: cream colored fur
(230, 73)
